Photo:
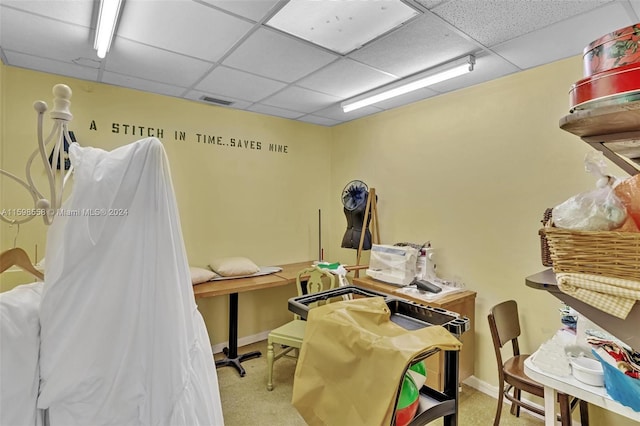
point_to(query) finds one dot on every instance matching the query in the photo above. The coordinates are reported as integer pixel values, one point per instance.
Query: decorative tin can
(615, 86)
(621, 47)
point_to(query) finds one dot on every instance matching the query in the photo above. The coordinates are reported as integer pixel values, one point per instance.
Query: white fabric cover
(19, 345)
(122, 341)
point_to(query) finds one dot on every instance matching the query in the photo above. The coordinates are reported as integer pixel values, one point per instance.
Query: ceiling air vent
(215, 101)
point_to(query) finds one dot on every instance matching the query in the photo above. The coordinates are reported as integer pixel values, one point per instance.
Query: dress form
(355, 221)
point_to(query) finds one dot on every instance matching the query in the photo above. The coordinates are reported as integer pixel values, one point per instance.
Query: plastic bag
(628, 191)
(596, 210)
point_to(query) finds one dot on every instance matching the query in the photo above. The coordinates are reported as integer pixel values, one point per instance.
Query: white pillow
(201, 275)
(233, 266)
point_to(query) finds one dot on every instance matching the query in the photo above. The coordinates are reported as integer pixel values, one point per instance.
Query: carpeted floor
(246, 401)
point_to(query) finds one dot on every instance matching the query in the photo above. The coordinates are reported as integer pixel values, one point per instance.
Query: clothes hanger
(18, 257)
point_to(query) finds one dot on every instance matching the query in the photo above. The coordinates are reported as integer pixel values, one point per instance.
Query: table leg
(549, 406)
(232, 358)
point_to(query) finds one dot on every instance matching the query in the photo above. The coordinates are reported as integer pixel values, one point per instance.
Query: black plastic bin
(411, 316)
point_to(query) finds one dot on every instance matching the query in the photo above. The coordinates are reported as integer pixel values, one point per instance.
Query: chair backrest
(504, 324)
(313, 279)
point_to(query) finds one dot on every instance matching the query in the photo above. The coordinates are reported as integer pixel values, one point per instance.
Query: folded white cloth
(614, 296)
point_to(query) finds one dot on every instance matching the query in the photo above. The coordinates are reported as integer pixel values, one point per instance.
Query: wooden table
(462, 303)
(238, 285)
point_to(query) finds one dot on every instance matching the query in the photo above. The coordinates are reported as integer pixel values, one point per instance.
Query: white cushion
(201, 275)
(233, 266)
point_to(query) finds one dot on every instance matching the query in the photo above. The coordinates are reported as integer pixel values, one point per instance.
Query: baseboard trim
(492, 391)
(243, 341)
(472, 381)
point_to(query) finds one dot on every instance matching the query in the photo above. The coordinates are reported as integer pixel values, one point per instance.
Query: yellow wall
(471, 171)
(233, 201)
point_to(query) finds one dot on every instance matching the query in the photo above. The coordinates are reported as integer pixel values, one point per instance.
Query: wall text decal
(194, 137)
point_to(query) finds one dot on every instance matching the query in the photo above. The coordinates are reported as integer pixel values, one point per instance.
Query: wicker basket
(606, 253)
(545, 254)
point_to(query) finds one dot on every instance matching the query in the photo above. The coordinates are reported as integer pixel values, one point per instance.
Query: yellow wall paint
(233, 201)
(471, 171)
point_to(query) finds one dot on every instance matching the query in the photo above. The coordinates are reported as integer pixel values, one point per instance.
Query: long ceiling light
(107, 18)
(414, 82)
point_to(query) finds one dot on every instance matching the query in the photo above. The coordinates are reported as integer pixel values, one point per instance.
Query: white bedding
(19, 345)
(122, 341)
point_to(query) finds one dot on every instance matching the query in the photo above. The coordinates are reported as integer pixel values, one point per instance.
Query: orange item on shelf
(628, 191)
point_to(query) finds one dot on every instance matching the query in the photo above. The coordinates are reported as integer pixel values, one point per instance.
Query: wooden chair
(504, 324)
(309, 280)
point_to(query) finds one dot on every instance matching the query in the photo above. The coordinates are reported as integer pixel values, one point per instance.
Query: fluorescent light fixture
(107, 18)
(414, 82)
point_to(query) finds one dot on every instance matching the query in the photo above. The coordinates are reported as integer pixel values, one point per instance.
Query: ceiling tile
(140, 84)
(429, 4)
(51, 66)
(77, 12)
(271, 110)
(55, 40)
(255, 10)
(238, 84)
(322, 121)
(345, 78)
(493, 21)
(419, 45)
(196, 95)
(182, 26)
(299, 99)
(341, 26)
(142, 61)
(274, 55)
(564, 39)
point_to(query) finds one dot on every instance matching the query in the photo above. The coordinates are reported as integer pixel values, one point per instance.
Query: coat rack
(61, 115)
(371, 208)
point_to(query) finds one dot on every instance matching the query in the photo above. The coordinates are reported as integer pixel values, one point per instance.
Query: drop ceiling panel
(72, 11)
(275, 55)
(255, 10)
(419, 45)
(341, 26)
(493, 21)
(563, 40)
(271, 110)
(322, 121)
(238, 84)
(345, 78)
(142, 61)
(51, 66)
(55, 40)
(224, 49)
(196, 95)
(182, 26)
(299, 99)
(140, 84)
